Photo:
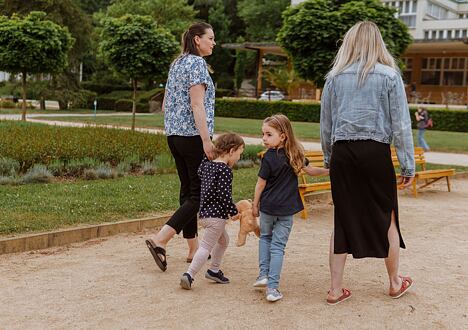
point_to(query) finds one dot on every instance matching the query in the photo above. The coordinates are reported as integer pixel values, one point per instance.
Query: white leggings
(215, 241)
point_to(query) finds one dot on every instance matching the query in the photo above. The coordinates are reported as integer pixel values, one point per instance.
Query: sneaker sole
(260, 284)
(217, 280)
(185, 283)
(273, 299)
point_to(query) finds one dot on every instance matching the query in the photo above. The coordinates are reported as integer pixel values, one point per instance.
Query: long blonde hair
(292, 147)
(363, 44)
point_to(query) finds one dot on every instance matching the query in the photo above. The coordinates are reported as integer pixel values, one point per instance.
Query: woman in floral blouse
(189, 123)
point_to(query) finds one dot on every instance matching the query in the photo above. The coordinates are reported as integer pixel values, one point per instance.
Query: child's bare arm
(316, 171)
(261, 183)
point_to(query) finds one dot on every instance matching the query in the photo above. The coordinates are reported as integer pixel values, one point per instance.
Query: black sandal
(157, 252)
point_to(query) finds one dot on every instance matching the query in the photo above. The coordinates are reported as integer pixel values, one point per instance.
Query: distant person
(188, 108)
(216, 207)
(422, 119)
(364, 109)
(277, 198)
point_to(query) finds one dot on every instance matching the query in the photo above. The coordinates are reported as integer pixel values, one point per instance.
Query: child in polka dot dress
(216, 206)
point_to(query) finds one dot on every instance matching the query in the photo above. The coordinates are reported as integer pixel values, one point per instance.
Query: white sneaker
(261, 282)
(273, 295)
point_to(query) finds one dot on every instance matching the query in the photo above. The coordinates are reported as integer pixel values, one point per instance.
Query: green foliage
(311, 29)
(104, 171)
(444, 120)
(68, 143)
(8, 166)
(175, 15)
(239, 67)
(37, 174)
(33, 44)
(136, 47)
(251, 152)
(262, 18)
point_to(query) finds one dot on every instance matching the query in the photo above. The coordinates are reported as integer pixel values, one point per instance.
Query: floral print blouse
(185, 72)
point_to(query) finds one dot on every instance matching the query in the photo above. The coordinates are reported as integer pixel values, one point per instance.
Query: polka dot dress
(216, 190)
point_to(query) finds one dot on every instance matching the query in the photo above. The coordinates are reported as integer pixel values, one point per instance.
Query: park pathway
(443, 158)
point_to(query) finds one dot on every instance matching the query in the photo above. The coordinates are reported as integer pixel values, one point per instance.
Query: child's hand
(255, 210)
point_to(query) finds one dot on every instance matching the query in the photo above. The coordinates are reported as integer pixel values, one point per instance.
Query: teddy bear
(248, 222)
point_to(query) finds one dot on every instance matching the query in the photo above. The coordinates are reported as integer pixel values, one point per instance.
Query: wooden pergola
(262, 48)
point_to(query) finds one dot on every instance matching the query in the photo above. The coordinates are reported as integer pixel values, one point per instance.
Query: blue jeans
(274, 234)
(422, 143)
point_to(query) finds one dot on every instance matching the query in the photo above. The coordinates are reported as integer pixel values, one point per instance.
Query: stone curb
(74, 235)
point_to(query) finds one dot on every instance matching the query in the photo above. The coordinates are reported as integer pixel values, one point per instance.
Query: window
(408, 70)
(406, 11)
(448, 71)
(454, 70)
(430, 72)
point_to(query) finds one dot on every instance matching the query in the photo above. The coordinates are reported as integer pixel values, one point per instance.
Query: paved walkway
(443, 158)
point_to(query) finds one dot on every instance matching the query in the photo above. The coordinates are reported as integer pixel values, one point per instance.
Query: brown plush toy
(248, 222)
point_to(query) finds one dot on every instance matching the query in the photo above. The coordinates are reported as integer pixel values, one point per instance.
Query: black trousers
(188, 154)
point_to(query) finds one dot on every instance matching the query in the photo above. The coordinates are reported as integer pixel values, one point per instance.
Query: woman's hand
(405, 182)
(209, 149)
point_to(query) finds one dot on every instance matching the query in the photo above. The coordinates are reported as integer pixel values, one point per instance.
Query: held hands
(209, 149)
(405, 182)
(316, 171)
(255, 210)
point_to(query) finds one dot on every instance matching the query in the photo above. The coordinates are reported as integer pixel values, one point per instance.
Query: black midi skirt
(364, 194)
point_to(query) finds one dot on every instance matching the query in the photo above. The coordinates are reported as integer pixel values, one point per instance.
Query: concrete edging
(75, 235)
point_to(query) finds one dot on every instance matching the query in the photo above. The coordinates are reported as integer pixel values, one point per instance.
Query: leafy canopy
(33, 44)
(136, 47)
(311, 32)
(175, 15)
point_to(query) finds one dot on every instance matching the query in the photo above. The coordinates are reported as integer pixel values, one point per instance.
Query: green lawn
(40, 207)
(37, 111)
(438, 140)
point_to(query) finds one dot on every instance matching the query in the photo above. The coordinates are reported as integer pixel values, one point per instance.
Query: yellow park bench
(316, 159)
(429, 176)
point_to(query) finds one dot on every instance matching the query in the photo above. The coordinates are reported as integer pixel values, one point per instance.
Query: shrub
(251, 152)
(148, 168)
(37, 174)
(68, 143)
(8, 180)
(8, 166)
(244, 163)
(76, 167)
(7, 104)
(444, 120)
(103, 88)
(90, 174)
(165, 163)
(133, 161)
(127, 105)
(104, 171)
(123, 168)
(57, 167)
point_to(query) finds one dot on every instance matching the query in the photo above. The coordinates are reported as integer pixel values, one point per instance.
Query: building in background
(436, 63)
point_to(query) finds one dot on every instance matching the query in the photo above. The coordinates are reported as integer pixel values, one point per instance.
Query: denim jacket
(377, 110)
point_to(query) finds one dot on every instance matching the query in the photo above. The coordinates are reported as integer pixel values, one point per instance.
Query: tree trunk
(134, 82)
(23, 87)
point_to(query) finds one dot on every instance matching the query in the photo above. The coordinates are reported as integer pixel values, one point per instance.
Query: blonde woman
(363, 110)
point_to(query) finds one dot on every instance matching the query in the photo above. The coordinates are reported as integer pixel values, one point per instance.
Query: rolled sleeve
(197, 73)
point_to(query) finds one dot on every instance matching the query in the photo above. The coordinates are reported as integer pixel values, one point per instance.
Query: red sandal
(406, 283)
(345, 296)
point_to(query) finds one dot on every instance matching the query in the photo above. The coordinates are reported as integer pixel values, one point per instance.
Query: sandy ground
(115, 284)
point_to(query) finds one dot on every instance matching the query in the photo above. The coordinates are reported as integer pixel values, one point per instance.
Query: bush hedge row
(444, 120)
(30, 143)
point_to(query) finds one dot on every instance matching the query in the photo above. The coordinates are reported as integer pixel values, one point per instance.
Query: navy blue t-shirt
(281, 193)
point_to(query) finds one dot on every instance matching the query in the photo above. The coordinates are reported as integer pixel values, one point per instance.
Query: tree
(309, 39)
(262, 18)
(32, 45)
(137, 48)
(175, 15)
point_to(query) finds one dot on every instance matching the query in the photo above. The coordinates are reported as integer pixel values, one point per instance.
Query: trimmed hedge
(30, 143)
(444, 120)
(127, 105)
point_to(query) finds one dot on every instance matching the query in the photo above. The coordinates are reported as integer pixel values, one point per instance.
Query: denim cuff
(407, 172)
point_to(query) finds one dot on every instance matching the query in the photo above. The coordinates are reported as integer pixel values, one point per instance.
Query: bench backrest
(419, 158)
